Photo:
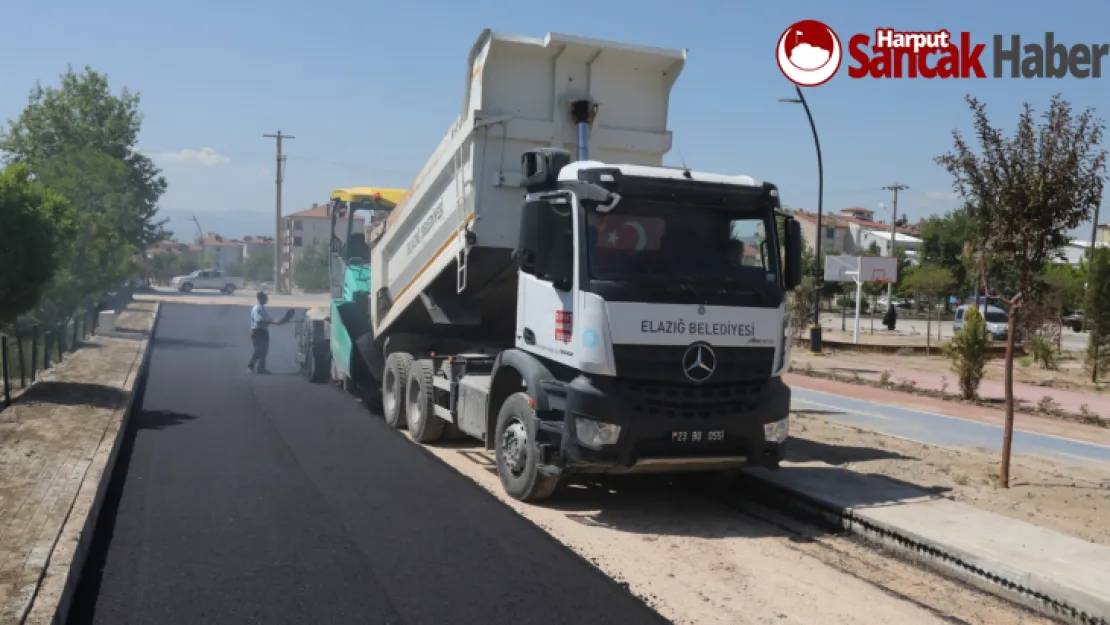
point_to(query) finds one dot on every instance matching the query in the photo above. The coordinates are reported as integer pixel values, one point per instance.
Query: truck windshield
(670, 242)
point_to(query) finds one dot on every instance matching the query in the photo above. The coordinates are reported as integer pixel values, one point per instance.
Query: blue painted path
(938, 429)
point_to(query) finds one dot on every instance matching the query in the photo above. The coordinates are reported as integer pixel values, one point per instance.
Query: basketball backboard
(881, 269)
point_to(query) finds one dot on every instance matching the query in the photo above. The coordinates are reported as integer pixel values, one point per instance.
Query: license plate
(697, 436)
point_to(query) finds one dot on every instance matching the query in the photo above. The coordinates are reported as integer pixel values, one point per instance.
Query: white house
(1076, 251)
(223, 252)
(882, 239)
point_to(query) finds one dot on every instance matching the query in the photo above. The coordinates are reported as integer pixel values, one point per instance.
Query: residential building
(1103, 233)
(1076, 251)
(881, 238)
(852, 230)
(307, 228)
(221, 252)
(256, 244)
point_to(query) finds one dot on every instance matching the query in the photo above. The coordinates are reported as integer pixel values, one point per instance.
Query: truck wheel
(317, 366)
(185, 288)
(393, 388)
(517, 454)
(229, 289)
(424, 425)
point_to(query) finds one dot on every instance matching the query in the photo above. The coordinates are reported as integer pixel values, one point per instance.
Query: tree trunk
(1008, 406)
(928, 330)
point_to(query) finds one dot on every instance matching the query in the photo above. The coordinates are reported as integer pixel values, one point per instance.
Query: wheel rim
(416, 406)
(390, 398)
(514, 445)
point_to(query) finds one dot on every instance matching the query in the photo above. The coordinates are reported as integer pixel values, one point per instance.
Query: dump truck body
(549, 288)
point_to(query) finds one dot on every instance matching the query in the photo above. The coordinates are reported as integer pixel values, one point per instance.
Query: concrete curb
(1030, 589)
(59, 614)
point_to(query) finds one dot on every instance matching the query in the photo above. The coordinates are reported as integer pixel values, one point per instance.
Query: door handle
(529, 336)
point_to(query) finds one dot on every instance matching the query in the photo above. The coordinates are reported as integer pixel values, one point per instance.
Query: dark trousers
(261, 341)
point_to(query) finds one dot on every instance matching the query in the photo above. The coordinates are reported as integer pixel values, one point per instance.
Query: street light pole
(815, 328)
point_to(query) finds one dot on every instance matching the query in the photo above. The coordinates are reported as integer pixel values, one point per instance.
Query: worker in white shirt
(260, 333)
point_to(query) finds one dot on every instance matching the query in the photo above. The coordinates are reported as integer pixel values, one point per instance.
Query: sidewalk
(1053, 573)
(56, 442)
(1026, 395)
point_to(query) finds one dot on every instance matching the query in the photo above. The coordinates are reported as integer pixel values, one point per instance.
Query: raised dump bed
(443, 265)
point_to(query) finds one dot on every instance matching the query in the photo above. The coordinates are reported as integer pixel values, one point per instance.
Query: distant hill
(229, 223)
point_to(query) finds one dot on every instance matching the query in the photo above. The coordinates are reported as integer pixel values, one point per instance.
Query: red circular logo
(809, 53)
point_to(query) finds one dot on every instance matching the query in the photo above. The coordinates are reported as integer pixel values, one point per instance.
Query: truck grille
(691, 402)
(658, 363)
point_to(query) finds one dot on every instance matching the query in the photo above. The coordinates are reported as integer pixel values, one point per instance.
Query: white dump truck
(591, 315)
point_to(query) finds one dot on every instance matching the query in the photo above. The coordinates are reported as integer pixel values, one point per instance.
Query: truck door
(548, 278)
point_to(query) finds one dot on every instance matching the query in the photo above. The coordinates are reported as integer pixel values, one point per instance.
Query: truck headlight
(776, 431)
(594, 434)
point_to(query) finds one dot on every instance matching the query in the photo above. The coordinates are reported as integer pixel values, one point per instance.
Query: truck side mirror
(793, 254)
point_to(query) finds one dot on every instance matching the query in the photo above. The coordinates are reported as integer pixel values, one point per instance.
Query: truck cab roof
(571, 172)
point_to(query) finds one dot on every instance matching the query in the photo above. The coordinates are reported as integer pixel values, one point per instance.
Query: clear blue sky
(369, 88)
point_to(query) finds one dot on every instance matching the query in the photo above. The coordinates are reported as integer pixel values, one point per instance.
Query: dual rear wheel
(408, 397)
(408, 401)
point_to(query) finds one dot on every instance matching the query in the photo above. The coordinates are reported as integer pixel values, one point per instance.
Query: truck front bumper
(665, 428)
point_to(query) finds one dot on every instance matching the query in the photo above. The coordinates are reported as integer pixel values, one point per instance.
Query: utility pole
(896, 187)
(279, 176)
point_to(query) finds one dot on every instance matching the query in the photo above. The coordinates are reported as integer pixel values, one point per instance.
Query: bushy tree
(1097, 314)
(312, 269)
(34, 223)
(968, 353)
(1028, 190)
(929, 283)
(81, 140)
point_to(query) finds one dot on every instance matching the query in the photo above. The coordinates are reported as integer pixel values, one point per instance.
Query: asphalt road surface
(245, 498)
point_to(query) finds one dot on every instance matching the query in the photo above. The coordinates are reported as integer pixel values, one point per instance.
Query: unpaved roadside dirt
(1070, 499)
(700, 561)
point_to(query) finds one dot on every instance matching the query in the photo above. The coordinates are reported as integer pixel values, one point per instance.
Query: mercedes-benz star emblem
(701, 309)
(698, 362)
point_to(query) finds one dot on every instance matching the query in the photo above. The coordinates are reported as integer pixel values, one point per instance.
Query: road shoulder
(59, 445)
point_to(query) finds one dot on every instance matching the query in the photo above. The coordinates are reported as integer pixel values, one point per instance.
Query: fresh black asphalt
(244, 498)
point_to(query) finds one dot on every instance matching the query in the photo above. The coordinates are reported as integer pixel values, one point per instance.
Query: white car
(207, 279)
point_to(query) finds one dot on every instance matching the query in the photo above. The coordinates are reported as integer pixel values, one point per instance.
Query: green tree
(1097, 313)
(874, 289)
(968, 352)
(311, 272)
(259, 266)
(943, 240)
(34, 223)
(81, 140)
(930, 284)
(1028, 191)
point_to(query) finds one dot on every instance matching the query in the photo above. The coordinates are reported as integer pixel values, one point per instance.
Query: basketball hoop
(879, 276)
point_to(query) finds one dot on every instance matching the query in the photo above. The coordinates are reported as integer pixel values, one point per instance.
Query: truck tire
(317, 365)
(393, 388)
(229, 289)
(185, 288)
(517, 454)
(424, 425)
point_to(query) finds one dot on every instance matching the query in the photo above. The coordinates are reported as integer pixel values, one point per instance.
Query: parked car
(207, 279)
(998, 322)
(1073, 321)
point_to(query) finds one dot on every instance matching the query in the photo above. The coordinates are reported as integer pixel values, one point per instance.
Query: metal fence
(27, 352)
